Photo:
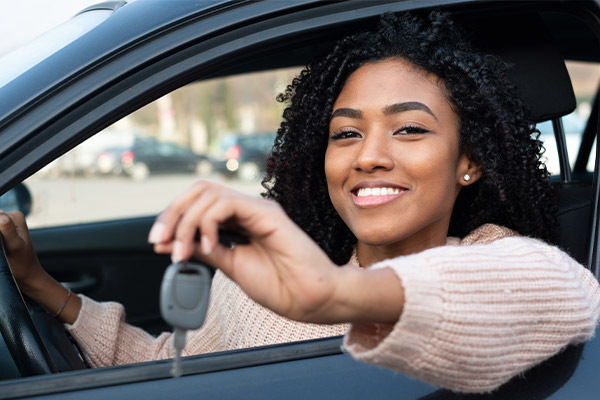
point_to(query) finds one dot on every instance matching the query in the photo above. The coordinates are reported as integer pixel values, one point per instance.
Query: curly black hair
(514, 190)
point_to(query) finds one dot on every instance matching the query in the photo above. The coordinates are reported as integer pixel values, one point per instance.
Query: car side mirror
(17, 199)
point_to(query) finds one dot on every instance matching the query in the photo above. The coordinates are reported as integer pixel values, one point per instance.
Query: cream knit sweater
(477, 312)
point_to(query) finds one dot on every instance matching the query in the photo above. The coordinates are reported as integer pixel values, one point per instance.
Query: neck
(369, 254)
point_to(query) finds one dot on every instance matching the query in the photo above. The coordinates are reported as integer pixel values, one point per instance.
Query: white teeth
(363, 192)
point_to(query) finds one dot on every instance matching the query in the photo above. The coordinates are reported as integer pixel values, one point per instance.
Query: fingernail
(205, 244)
(177, 254)
(156, 233)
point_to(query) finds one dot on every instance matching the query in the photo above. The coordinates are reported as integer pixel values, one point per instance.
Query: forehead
(391, 81)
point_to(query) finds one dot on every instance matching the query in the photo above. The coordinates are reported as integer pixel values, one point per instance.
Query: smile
(363, 192)
(375, 196)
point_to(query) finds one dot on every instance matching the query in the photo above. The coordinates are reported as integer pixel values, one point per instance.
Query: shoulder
(490, 236)
(487, 233)
(498, 241)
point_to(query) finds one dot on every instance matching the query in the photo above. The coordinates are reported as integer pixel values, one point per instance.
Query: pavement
(78, 199)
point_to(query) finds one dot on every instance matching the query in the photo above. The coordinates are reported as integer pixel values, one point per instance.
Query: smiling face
(393, 163)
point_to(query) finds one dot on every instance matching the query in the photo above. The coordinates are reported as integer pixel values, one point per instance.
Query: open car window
(220, 129)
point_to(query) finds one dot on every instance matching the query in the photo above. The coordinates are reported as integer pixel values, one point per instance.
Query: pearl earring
(467, 177)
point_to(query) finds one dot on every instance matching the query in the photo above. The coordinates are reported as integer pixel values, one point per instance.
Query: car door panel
(314, 369)
(107, 261)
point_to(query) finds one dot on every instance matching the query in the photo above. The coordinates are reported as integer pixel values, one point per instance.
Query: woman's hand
(282, 268)
(19, 250)
(29, 274)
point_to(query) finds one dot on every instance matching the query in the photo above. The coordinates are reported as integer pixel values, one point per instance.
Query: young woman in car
(405, 157)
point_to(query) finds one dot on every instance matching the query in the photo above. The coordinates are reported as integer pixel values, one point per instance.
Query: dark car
(146, 156)
(246, 157)
(138, 52)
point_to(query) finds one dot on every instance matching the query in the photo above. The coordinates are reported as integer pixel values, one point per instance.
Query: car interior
(536, 44)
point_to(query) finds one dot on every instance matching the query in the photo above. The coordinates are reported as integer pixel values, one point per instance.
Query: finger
(221, 257)
(227, 209)
(9, 231)
(20, 224)
(211, 250)
(191, 220)
(163, 248)
(164, 226)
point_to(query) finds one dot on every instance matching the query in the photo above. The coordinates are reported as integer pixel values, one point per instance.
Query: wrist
(369, 296)
(35, 282)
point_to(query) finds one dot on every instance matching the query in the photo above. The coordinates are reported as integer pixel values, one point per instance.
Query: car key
(184, 295)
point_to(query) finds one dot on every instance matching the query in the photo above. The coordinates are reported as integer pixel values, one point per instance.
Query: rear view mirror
(17, 199)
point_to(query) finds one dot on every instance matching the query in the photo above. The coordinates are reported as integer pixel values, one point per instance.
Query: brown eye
(345, 135)
(411, 130)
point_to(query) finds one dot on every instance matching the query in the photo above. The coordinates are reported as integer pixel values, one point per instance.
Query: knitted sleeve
(233, 321)
(106, 339)
(475, 316)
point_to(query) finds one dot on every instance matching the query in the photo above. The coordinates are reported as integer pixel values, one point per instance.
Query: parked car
(146, 156)
(139, 51)
(83, 159)
(246, 157)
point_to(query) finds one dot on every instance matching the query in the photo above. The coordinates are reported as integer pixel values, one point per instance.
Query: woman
(398, 138)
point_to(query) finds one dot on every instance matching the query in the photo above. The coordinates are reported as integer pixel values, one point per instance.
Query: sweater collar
(486, 233)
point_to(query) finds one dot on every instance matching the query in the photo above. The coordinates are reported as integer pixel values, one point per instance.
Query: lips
(373, 194)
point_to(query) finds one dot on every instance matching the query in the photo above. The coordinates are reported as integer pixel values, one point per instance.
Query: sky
(23, 20)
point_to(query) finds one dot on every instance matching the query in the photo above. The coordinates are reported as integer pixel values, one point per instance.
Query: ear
(467, 172)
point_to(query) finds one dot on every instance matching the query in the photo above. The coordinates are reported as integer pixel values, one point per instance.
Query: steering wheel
(22, 338)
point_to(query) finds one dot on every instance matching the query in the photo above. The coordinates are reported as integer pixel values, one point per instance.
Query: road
(69, 200)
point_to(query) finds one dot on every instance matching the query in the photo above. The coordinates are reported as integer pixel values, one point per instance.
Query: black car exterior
(147, 156)
(149, 47)
(246, 157)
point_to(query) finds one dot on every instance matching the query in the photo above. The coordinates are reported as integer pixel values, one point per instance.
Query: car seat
(542, 80)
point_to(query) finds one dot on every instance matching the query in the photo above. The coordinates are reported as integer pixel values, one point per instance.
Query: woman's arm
(31, 278)
(282, 268)
(98, 327)
(476, 316)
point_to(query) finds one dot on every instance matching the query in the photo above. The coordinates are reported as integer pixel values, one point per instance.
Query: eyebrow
(388, 110)
(407, 106)
(346, 112)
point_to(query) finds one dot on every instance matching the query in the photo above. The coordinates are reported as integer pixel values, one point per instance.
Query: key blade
(179, 344)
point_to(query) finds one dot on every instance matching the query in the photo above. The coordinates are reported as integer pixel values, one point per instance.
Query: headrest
(538, 69)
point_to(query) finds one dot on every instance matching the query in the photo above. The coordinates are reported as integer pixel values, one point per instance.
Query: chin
(378, 238)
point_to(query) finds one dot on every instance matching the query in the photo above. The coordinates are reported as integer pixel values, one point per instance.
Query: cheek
(435, 169)
(331, 169)
(335, 173)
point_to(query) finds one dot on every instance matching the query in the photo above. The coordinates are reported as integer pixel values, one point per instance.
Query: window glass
(220, 129)
(585, 77)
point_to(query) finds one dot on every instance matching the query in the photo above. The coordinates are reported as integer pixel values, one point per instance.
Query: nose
(374, 153)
